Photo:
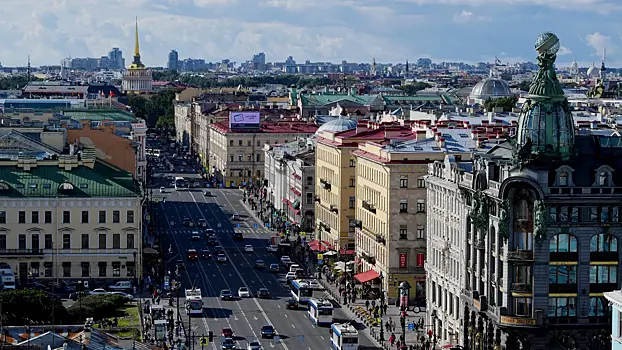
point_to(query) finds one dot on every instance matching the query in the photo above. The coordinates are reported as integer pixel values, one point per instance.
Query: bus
(344, 337)
(301, 291)
(7, 275)
(194, 301)
(180, 183)
(321, 311)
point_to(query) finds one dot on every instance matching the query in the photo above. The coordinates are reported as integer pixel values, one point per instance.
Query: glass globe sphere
(547, 43)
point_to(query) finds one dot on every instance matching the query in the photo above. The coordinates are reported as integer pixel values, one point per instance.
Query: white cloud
(599, 6)
(599, 42)
(563, 50)
(468, 16)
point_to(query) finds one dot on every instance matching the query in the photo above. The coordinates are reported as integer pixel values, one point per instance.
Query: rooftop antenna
(28, 70)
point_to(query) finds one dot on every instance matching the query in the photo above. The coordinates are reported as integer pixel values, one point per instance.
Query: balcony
(380, 239)
(520, 256)
(21, 252)
(356, 224)
(333, 208)
(95, 251)
(479, 244)
(521, 288)
(325, 184)
(368, 206)
(317, 199)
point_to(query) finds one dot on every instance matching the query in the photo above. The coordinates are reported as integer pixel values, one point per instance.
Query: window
(602, 178)
(420, 259)
(48, 217)
(66, 269)
(522, 306)
(85, 241)
(102, 268)
(562, 274)
(562, 307)
(231, 157)
(563, 179)
(34, 217)
(34, 268)
(250, 157)
(258, 143)
(404, 182)
(420, 205)
(230, 142)
(130, 216)
(21, 217)
(352, 182)
(2, 217)
(34, 242)
(421, 182)
(603, 273)
(248, 143)
(403, 206)
(403, 232)
(599, 306)
(47, 267)
(420, 232)
(116, 241)
(352, 163)
(86, 269)
(48, 241)
(309, 180)
(2, 242)
(102, 241)
(131, 268)
(351, 202)
(116, 269)
(66, 217)
(21, 242)
(66, 241)
(85, 216)
(309, 198)
(563, 243)
(239, 142)
(240, 157)
(130, 241)
(116, 215)
(258, 157)
(603, 242)
(102, 217)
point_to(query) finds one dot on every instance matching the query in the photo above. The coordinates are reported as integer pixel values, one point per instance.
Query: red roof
(366, 276)
(270, 127)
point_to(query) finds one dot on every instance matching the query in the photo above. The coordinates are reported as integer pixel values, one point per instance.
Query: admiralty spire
(137, 78)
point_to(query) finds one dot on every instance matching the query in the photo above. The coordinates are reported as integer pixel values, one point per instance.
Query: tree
(158, 105)
(13, 82)
(165, 75)
(21, 306)
(98, 306)
(411, 89)
(507, 103)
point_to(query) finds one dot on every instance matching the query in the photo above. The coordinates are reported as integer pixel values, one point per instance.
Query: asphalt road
(244, 316)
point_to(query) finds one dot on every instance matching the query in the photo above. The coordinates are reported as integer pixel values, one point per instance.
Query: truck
(194, 301)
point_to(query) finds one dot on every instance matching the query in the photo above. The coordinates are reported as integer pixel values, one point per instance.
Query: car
(226, 332)
(244, 292)
(98, 291)
(221, 258)
(162, 190)
(290, 276)
(285, 260)
(209, 232)
(202, 223)
(291, 304)
(268, 331)
(227, 344)
(315, 284)
(206, 193)
(129, 297)
(272, 248)
(188, 222)
(263, 293)
(259, 264)
(248, 248)
(205, 254)
(195, 235)
(192, 254)
(78, 295)
(293, 267)
(212, 241)
(226, 294)
(300, 273)
(180, 264)
(274, 268)
(235, 217)
(254, 345)
(219, 249)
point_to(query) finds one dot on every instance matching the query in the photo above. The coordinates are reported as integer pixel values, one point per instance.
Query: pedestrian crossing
(244, 231)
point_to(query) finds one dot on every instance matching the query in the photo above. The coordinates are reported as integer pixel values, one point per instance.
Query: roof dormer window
(563, 178)
(602, 178)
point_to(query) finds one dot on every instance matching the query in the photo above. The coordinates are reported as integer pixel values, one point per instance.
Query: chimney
(421, 134)
(441, 142)
(491, 117)
(437, 136)
(594, 124)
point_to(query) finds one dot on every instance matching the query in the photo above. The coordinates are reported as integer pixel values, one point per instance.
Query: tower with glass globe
(545, 125)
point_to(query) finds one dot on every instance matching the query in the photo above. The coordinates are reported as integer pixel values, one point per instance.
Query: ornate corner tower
(545, 125)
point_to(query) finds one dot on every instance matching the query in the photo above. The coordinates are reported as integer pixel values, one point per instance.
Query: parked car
(120, 286)
(98, 291)
(78, 295)
(162, 190)
(123, 294)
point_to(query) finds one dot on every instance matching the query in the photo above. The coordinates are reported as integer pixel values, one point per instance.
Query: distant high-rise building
(424, 62)
(259, 61)
(173, 60)
(116, 60)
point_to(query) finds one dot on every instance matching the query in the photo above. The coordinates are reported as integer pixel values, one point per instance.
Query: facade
(236, 157)
(137, 78)
(67, 216)
(290, 172)
(391, 204)
(528, 242)
(615, 300)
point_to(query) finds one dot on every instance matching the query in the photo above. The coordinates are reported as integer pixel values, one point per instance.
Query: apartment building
(390, 206)
(67, 216)
(237, 156)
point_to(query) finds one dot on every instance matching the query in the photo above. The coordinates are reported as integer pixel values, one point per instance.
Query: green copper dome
(545, 125)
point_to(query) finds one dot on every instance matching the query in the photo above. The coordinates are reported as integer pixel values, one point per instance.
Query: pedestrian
(367, 304)
(392, 339)
(387, 326)
(385, 306)
(398, 344)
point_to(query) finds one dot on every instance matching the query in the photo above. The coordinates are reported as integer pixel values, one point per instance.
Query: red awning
(293, 189)
(285, 201)
(346, 252)
(314, 242)
(366, 276)
(297, 212)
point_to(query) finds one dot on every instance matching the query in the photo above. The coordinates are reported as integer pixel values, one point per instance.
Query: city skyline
(465, 30)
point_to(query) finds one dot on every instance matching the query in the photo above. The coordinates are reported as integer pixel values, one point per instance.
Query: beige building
(137, 78)
(237, 156)
(67, 216)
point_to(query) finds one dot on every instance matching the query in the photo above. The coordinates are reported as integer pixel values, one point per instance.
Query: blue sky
(318, 30)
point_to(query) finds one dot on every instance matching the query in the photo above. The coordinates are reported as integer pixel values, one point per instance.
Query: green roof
(45, 181)
(99, 114)
(324, 99)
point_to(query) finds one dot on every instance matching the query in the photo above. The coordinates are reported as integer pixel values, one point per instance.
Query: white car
(272, 248)
(98, 291)
(221, 258)
(244, 292)
(315, 284)
(293, 267)
(196, 235)
(254, 345)
(123, 294)
(290, 276)
(162, 190)
(248, 248)
(285, 260)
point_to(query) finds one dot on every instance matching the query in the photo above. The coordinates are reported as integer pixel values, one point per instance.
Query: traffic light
(210, 336)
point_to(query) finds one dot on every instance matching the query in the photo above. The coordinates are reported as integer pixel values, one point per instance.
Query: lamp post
(404, 291)
(135, 272)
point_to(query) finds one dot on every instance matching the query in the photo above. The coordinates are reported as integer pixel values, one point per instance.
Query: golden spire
(136, 49)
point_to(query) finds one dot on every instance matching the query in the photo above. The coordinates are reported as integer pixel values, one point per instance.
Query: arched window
(603, 242)
(602, 178)
(563, 179)
(65, 186)
(563, 243)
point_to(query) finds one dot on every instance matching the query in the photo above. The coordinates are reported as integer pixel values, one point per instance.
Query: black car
(78, 295)
(291, 304)
(268, 331)
(205, 254)
(219, 250)
(263, 293)
(212, 240)
(188, 222)
(202, 223)
(181, 265)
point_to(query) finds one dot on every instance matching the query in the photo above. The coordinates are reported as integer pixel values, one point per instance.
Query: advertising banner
(403, 260)
(244, 120)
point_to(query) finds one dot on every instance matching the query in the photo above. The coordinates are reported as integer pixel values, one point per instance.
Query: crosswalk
(243, 230)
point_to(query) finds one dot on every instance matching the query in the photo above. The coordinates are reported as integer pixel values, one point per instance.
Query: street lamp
(404, 289)
(135, 272)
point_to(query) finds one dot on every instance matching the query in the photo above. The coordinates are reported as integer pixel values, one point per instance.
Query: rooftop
(56, 89)
(99, 114)
(269, 127)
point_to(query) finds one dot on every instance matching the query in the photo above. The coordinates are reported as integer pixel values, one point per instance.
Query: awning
(297, 212)
(295, 191)
(285, 201)
(364, 277)
(346, 252)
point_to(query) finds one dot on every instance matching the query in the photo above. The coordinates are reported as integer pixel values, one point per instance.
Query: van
(293, 267)
(121, 285)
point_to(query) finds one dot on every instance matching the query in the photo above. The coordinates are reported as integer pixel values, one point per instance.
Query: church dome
(337, 125)
(593, 72)
(490, 88)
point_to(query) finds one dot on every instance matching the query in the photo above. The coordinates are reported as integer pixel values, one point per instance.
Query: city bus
(344, 337)
(180, 183)
(321, 311)
(7, 275)
(301, 291)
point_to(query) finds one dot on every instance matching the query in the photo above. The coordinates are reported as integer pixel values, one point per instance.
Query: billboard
(244, 120)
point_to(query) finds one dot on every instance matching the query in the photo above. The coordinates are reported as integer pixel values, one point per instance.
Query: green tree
(21, 305)
(13, 82)
(165, 75)
(523, 85)
(507, 103)
(156, 106)
(99, 307)
(411, 89)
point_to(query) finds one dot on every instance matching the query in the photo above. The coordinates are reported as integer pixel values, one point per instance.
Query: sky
(318, 30)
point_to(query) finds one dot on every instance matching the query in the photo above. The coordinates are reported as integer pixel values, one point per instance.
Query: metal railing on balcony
(520, 255)
(111, 251)
(20, 252)
(368, 206)
(521, 287)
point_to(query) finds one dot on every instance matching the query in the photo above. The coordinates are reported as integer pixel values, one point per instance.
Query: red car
(226, 332)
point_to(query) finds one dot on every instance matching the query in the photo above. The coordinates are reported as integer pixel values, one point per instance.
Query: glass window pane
(553, 274)
(592, 311)
(573, 244)
(561, 307)
(553, 244)
(562, 276)
(572, 309)
(594, 243)
(613, 274)
(603, 274)
(593, 272)
(614, 244)
(572, 274)
(552, 306)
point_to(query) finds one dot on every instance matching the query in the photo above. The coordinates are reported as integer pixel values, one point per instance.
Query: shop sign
(519, 321)
(403, 260)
